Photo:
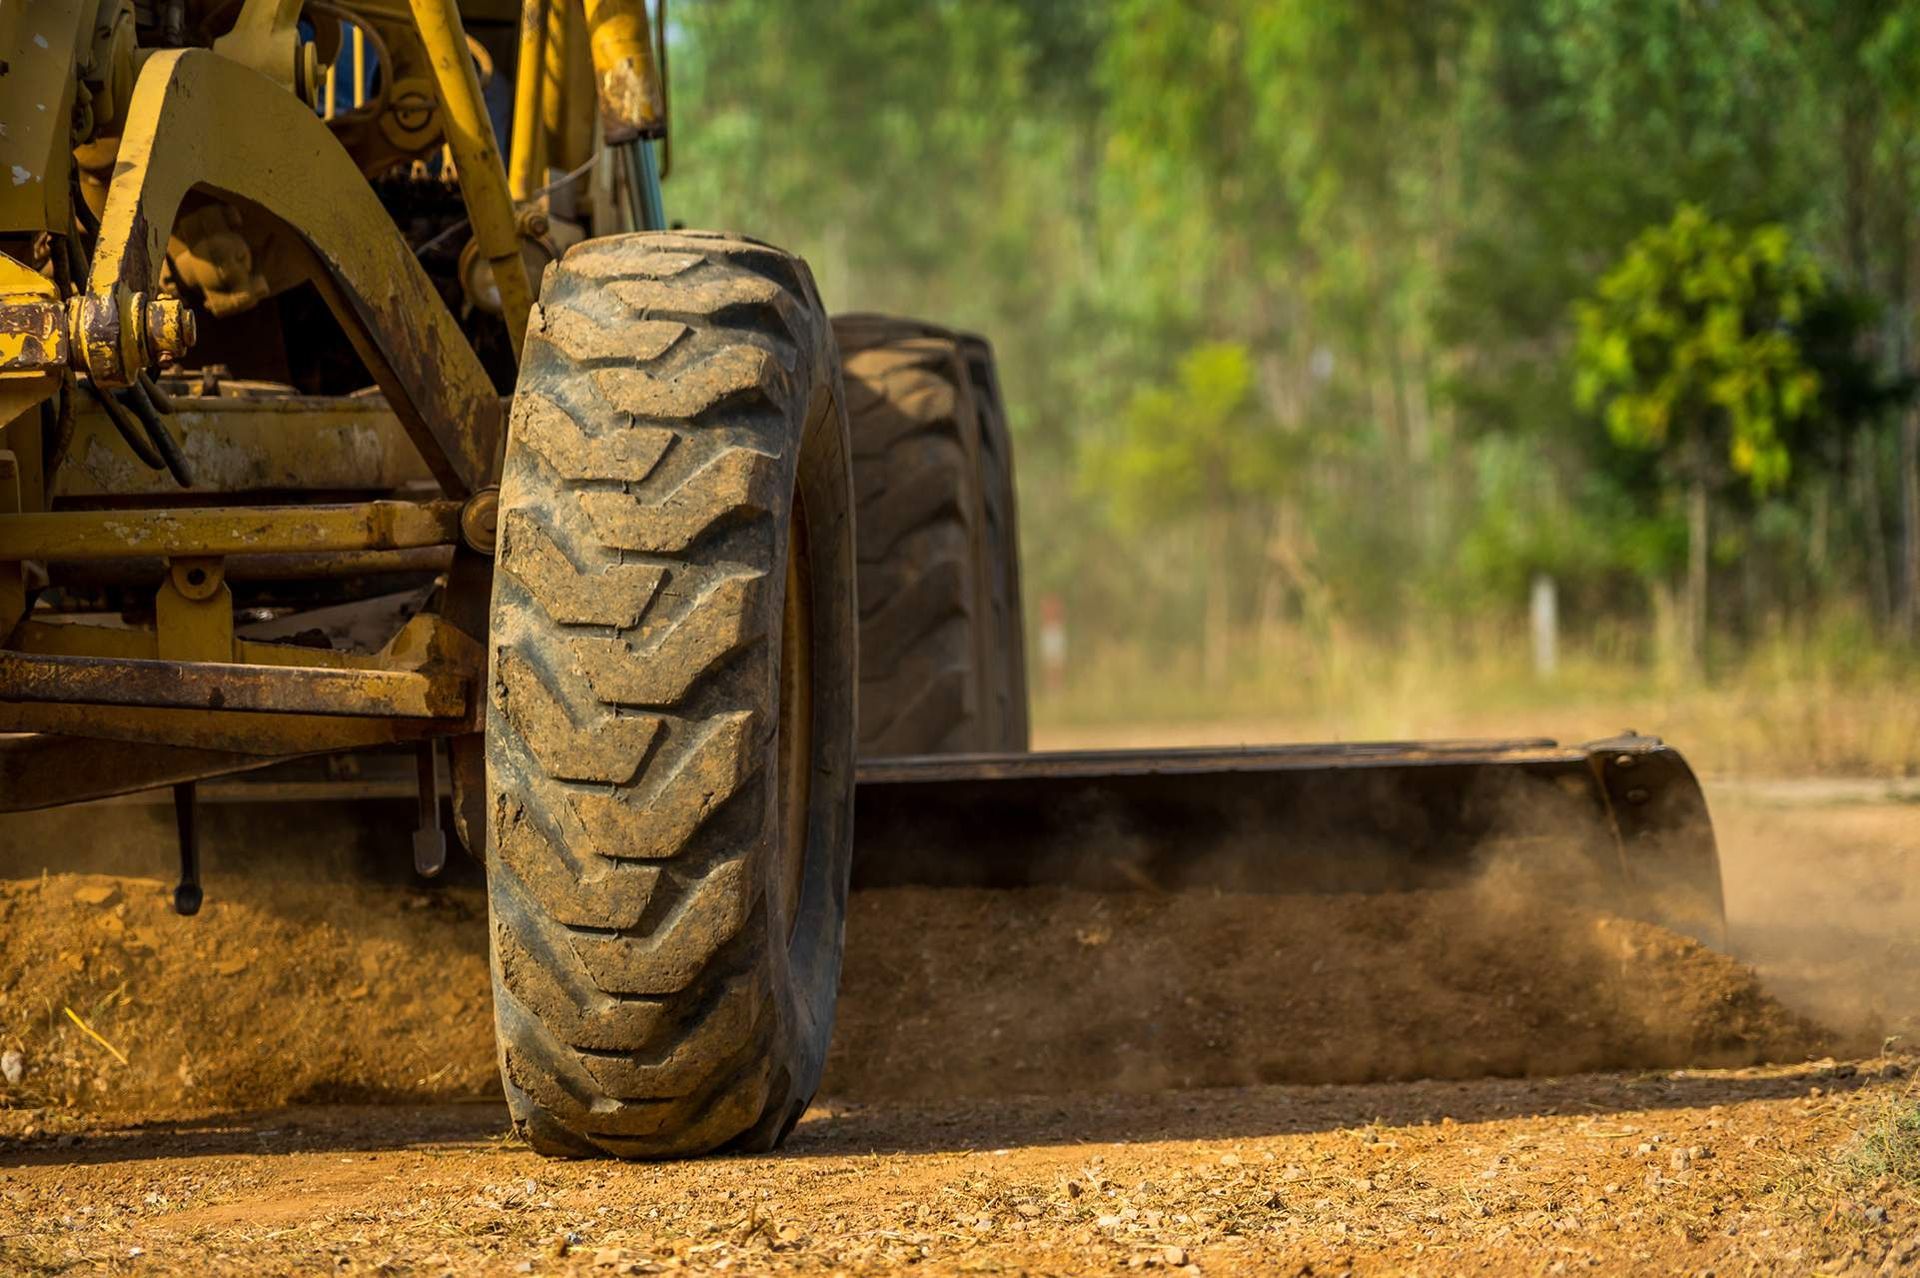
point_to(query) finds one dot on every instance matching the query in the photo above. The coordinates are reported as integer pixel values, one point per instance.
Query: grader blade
(1619, 825)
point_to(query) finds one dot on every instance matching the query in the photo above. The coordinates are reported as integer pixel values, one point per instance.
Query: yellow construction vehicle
(323, 430)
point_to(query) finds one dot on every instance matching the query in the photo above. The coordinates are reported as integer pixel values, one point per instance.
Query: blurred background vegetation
(1335, 330)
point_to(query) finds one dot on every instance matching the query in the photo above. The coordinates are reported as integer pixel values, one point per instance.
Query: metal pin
(186, 818)
(429, 840)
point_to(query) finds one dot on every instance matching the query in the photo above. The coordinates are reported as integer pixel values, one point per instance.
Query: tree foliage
(1364, 273)
(1692, 343)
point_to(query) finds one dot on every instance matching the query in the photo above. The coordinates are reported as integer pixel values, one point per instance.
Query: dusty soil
(288, 993)
(1009, 1083)
(984, 993)
(1756, 1171)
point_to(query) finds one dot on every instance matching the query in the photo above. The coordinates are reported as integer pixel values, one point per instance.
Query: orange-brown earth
(1043, 1081)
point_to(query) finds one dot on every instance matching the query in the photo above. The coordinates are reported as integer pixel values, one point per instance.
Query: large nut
(93, 323)
(117, 336)
(480, 520)
(169, 327)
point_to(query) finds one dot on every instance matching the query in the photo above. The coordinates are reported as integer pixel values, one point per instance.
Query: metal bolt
(93, 323)
(197, 578)
(170, 327)
(1624, 761)
(116, 336)
(480, 520)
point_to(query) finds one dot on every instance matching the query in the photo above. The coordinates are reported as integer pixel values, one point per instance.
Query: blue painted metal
(653, 209)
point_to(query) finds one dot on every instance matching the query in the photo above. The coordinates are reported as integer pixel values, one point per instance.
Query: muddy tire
(671, 701)
(939, 575)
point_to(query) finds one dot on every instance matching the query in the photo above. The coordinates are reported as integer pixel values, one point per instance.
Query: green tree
(1689, 349)
(1199, 448)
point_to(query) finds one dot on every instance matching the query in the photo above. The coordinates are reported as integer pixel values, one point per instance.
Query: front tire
(670, 724)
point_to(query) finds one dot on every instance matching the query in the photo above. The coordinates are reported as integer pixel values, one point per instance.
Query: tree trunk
(1668, 642)
(1866, 475)
(1909, 613)
(1216, 615)
(1697, 547)
(1822, 520)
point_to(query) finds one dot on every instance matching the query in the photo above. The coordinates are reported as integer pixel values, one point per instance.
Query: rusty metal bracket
(221, 530)
(179, 136)
(215, 685)
(45, 770)
(34, 346)
(266, 37)
(337, 444)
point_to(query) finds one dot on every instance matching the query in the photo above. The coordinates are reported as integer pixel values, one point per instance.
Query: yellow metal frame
(279, 444)
(476, 155)
(237, 123)
(288, 164)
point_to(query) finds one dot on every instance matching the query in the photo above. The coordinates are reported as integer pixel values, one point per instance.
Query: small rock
(1229, 1160)
(1876, 1215)
(13, 1066)
(1174, 1256)
(96, 894)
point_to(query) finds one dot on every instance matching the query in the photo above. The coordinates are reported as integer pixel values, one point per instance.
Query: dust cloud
(1823, 898)
(308, 978)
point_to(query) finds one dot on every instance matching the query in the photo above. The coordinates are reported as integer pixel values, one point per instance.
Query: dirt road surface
(300, 1081)
(1690, 1172)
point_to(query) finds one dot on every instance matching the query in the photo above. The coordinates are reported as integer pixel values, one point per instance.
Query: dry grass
(1782, 709)
(1869, 1184)
(1888, 1146)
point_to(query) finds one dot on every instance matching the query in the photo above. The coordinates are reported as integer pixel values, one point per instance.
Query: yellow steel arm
(483, 179)
(181, 133)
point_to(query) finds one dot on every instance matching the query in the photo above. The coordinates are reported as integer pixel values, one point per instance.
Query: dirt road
(1736, 1172)
(179, 1120)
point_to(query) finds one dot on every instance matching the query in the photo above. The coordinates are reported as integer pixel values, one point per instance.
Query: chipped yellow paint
(631, 104)
(288, 162)
(39, 45)
(236, 530)
(33, 338)
(286, 444)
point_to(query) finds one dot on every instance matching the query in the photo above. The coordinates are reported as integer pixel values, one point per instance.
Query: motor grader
(328, 433)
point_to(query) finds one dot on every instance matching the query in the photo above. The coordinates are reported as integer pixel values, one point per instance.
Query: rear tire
(942, 667)
(670, 713)
(1007, 651)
